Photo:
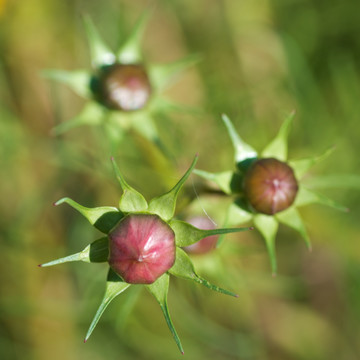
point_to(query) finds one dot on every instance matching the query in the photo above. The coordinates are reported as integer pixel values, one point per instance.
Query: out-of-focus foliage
(261, 59)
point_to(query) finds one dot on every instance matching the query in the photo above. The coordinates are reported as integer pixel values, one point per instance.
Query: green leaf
(292, 218)
(103, 218)
(131, 200)
(159, 289)
(306, 197)
(114, 287)
(243, 151)
(78, 81)
(130, 52)
(184, 268)
(268, 226)
(96, 252)
(91, 114)
(278, 148)
(186, 234)
(164, 205)
(222, 179)
(301, 166)
(100, 53)
(164, 75)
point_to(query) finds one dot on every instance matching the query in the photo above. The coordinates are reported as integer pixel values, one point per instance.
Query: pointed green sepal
(268, 226)
(159, 289)
(95, 252)
(131, 200)
(143, 122)
(130, 52)
(114, 287)
(91, 114)
(164, 75)
(103, 218)
(237, 214)
(164, 205)
(162, 105)
(114, 133)
(78, 81)
(184, 268)
(278, 148)
(306, 197)
(243, 151)
(301, 166)
(100, 53)
(222, 179)
(292, 218)
(346, 181)
(186, 234)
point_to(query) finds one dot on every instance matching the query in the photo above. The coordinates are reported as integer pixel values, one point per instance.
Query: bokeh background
(261, 59)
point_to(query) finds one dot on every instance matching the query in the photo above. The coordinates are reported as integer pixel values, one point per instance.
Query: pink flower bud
(122, 87)
(141, 248)
(206, 244)
(270, 186)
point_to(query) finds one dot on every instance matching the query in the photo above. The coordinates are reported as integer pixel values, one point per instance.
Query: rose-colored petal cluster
(141, 248)
(270, 186)
(123, 87)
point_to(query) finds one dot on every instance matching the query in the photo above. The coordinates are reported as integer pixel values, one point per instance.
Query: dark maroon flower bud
(206, 244)
(270, 186)
(141, 248)
(122, 87)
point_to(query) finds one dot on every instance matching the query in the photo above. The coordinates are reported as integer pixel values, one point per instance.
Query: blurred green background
(261, 60)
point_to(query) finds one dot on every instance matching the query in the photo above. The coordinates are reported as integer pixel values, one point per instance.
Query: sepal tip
(56, 203)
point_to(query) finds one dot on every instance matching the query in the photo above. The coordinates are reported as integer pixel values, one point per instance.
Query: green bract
(133, 203)
(148, 81)
(231, 183)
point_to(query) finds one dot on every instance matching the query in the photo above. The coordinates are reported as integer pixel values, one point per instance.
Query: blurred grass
(261, 59)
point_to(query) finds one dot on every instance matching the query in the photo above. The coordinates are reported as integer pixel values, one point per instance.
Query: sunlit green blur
(261, 59)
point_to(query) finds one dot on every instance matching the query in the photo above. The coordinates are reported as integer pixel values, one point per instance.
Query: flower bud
(270, 186)
(122, 87)
(141, 248)
(206, 244)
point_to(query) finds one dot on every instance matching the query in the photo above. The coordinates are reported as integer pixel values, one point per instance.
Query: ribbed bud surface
(270, 186)
(141, 248)
(123, 87)
(206, 244)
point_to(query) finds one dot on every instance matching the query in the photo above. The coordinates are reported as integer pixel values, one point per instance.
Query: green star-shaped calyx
(122, 90)
(142, 244)
(243, 209)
